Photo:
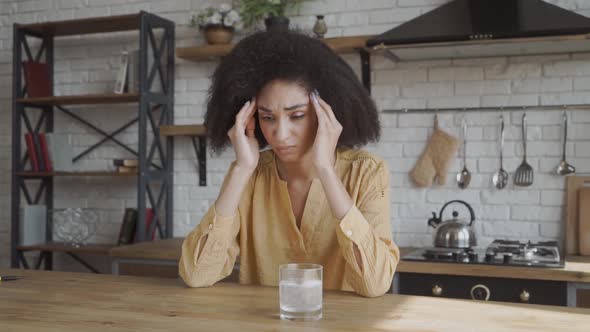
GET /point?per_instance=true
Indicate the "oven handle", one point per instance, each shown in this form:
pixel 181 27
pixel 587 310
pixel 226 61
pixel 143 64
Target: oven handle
pixel 485 296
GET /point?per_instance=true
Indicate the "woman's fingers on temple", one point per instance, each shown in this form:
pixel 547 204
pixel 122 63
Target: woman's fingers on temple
pixel 250 127
pixel 318 109
pixel 245 113
pixel 327 108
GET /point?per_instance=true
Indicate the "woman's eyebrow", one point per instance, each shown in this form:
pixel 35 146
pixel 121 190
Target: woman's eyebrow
pixel 289 108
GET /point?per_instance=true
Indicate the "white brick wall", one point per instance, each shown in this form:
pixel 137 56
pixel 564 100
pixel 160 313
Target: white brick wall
pixel 88 64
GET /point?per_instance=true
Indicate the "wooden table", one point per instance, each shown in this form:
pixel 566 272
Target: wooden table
pixel 63 301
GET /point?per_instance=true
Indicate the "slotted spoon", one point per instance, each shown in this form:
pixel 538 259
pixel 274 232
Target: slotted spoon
pixel 524 174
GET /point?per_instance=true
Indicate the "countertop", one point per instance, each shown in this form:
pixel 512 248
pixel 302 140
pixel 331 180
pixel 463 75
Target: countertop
pixel 64 301
pixel 577 268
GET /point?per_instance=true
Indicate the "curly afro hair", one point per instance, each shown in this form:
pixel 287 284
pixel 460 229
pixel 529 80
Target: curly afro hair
pixel 293 57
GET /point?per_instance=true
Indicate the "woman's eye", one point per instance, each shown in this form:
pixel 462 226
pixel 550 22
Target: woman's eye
pixel 297 116
pixel 266 118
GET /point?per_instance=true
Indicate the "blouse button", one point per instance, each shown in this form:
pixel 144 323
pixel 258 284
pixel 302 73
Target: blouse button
pixel 349 232
pixel 210 226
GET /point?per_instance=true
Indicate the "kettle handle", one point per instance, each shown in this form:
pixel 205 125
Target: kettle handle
pixel 471 212
pixel 434 221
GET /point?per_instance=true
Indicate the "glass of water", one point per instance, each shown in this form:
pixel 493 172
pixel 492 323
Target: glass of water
pixel 300 291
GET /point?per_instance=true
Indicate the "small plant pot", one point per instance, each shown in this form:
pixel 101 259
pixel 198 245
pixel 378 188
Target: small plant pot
pixel 276 22
pixel 218 35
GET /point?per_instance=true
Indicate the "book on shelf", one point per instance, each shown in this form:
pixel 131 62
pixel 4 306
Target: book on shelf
pixel 33 223
pixel 60 152
pixel 37 79
pixel 133 72
pixel 149 219
pixel 128 226
pixel 122 73
pixel 39 152
pixel 126 169
pixel 126 162
pixel 45 152
pixel 32 152
pixel 132 85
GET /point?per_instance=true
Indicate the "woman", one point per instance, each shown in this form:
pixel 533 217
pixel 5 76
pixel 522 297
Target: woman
pixel 311 197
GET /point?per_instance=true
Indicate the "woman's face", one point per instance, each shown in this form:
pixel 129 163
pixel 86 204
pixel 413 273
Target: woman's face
pixel 287 119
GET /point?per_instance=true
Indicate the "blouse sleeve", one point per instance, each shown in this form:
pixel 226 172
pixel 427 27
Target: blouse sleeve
pixel 218 255
pixel 367 226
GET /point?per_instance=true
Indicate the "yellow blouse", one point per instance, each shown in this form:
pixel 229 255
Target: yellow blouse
pixel 264 233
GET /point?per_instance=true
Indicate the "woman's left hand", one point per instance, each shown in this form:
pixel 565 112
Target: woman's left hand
pixel 329 130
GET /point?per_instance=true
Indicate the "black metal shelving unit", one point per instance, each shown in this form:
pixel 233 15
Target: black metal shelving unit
pixel 154 109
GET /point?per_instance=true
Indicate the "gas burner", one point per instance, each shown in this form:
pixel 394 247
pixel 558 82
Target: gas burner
pixel 449 254
pixel 500 252
pixel 546 252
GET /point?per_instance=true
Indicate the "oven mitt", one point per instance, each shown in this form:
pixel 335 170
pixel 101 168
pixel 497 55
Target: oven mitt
pixel 435 159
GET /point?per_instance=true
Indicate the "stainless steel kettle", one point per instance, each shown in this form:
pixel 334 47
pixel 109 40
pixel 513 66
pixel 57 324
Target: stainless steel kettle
pixel 453 233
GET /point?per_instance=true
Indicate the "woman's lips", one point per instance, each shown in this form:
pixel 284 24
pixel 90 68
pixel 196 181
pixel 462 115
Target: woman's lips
pixel 285 149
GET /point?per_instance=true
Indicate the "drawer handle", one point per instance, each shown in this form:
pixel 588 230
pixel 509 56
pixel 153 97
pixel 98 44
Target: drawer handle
pixel 437 290
pixel 480 292
pixel 525 296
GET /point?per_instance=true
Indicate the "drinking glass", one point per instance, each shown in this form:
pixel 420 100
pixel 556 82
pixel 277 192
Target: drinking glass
pixel 300 291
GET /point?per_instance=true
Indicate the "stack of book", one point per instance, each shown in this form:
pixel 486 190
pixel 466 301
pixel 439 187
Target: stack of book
pixel 49 152
pixel 126 165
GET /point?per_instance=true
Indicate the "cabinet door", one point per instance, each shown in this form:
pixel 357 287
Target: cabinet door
pixel 583 298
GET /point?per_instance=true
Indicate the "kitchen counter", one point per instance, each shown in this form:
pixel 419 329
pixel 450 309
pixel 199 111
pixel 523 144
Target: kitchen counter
pixel 576 269
pixel 62 301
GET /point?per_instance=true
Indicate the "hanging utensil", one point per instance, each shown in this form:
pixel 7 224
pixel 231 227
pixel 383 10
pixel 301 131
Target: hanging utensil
pixel 500 178
pixel 464 177
pixel 564 168
pixel 524 174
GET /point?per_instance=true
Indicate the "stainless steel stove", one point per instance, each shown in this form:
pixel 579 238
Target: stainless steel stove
pixel 500 252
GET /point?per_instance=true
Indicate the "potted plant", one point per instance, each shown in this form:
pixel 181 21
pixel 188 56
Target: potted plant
pixel 272 11
pixel 218 24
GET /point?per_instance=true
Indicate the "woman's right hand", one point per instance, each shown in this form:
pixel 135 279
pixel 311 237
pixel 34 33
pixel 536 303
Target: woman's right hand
pixel 243 139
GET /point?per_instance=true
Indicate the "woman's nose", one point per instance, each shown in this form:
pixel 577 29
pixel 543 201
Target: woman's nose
pixel 282 130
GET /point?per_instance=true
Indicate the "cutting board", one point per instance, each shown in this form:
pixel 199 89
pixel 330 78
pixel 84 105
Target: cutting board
pixel 574 183
pixel 584 220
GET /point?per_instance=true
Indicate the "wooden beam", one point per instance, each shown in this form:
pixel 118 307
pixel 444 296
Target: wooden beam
pixel 183 130
pixel 211 52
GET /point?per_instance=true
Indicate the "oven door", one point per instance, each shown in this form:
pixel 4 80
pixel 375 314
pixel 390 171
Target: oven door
pixel 483 288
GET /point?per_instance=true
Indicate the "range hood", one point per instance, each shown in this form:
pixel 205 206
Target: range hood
pixel 489 22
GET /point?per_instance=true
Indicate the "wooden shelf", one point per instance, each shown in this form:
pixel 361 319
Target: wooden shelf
pixel 165 249
pixel 487 48
pixel 98 249
pixel 340 45
pixel 106 98
pixel 85 25
pixel 53 174
pixel 183 130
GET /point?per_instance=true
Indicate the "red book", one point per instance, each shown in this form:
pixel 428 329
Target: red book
pixel 149 218
pixel 37 79
pixel 31 151
pixel 45 152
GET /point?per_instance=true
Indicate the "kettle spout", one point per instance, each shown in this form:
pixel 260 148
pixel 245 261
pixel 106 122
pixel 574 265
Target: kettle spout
pixel 434 221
